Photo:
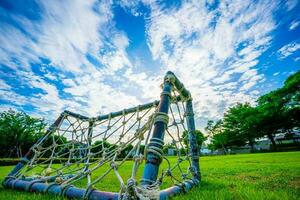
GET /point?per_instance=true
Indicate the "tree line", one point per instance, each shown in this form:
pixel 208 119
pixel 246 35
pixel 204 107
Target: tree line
pixel 276 111
pixel 242 124
pixel 20 131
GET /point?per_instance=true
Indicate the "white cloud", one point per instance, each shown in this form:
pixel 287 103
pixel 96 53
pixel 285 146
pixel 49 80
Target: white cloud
pixel 213 50
pixel 4 85
pixel 12 97
pixel 294 25
pixel 288 50
pixel 68 31
pixel 97 97
pixel 46 102
pixel 291 4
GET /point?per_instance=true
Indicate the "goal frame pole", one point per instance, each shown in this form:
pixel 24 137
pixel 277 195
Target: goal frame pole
pixel 155 148
pixel 153 158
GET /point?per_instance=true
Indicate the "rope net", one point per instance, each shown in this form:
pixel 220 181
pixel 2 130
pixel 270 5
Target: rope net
pixel 109 154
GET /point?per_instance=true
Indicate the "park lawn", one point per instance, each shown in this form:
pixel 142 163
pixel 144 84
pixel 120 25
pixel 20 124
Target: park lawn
pixel 246 176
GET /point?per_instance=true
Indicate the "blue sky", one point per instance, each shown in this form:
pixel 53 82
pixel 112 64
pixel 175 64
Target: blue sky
pixel 95 57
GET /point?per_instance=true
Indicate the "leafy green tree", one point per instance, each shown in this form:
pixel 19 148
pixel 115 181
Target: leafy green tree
pixel 280 109
pixel 126 151
pixel 142 149
pixel 237 128
pixel 59 140
pixel 18 132
pixel 199 137
pixel 98 146
pixel 291 97
pixel 240 125
pixel 218 139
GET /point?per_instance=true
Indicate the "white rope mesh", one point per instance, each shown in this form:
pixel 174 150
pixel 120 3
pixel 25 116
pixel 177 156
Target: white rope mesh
pixel 98 154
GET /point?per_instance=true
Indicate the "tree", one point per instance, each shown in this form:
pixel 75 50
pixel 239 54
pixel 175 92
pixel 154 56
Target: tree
pixel 99 145
pixel 237 128
pixel 18 132
pixel 291 97
pixel 126 151
pixel 280 109
pixel 218 139
pixel 199 137
pixel 240 125
pixel 59 140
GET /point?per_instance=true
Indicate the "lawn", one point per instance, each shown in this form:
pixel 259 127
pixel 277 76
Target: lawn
pixel 246 176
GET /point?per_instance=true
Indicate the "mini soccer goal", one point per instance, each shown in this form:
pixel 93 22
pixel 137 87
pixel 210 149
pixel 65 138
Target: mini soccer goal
pixel 145 152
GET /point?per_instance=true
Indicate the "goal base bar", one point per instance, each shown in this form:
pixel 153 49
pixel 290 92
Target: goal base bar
pixel 77 193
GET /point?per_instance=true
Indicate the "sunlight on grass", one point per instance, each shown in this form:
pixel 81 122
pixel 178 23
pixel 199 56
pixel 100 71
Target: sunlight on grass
pixel 248 176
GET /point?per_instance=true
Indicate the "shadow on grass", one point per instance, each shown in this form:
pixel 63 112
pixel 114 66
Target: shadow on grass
pixel 204 191
pixel 22 195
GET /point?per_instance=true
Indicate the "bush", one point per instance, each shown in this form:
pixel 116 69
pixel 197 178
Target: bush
pixel 9 161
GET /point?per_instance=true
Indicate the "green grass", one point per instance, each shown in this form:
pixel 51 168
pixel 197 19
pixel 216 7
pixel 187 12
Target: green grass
pixel 248 176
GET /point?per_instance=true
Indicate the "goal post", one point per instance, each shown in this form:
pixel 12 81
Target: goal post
pixel 77 153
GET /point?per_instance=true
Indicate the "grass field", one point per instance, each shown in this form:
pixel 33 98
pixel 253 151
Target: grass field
pixel 248 176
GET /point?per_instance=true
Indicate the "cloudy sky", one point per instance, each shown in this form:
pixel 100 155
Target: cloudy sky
pixel 94 57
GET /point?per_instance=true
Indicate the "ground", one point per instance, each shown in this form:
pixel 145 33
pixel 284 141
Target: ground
pixel 247 176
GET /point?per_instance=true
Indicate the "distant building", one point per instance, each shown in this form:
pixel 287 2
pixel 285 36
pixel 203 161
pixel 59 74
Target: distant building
pixel 262 144
pixel 290 137
pixel 204 150
pixel 171 151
